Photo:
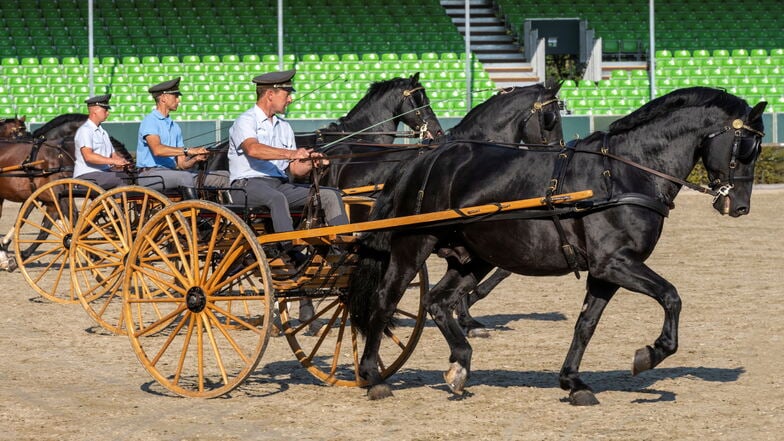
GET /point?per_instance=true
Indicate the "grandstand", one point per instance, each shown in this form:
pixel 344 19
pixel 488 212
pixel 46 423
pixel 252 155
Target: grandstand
pixel 340 47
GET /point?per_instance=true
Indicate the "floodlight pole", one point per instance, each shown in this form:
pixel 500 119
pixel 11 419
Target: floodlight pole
pixel 90 47
pixel 652 48
pixel 280 34
pixel 468 62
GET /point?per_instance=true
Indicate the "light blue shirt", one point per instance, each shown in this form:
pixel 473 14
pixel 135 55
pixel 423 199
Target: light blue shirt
pixel 96 138
pixel 169 132
pixel 274 131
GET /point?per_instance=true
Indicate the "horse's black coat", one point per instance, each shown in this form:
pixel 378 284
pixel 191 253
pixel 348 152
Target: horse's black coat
pixel 507 117
pixel 669 134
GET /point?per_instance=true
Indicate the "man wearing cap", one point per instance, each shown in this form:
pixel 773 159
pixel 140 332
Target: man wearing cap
pixel 262 150
pixel 162 159
pixel 95 155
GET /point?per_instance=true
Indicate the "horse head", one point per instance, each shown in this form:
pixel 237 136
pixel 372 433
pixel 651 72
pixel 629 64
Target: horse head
pixel 528 114
pixel 729 156
pixel 13 128
pixel 415 110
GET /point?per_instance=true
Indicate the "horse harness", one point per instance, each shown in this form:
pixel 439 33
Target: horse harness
pixel 32 172
pixel 545 123
pixel 740 150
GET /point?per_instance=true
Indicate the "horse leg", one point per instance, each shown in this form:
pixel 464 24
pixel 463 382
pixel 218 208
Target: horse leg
pixel 637 278
pixel 6 263
pixel 407 257
pixel 472 327
pixel 440 302
pixel 598 294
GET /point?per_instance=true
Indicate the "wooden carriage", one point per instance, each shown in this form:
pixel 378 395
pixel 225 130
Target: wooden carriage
pixel 198 286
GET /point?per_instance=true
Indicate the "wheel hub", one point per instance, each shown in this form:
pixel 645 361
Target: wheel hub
pixel 67 241
pixel 195 299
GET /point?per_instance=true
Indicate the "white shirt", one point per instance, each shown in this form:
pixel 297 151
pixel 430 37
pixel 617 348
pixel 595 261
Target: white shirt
pixel 96 138
pixel 274 131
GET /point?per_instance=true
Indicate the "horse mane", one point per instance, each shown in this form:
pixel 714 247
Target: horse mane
pixel 58 121
pixel 375 89
pixel 678 99
pixel 502 95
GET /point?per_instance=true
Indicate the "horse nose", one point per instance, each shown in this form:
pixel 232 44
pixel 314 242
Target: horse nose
pixel 742 210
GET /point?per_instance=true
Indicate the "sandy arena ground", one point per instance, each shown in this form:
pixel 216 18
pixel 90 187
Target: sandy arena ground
pixel 62 380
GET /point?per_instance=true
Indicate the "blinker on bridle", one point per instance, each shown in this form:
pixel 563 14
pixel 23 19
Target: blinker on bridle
pixel 737 126
pixel 409 94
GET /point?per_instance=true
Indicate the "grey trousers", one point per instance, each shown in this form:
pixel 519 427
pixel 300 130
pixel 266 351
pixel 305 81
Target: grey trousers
pixel 106 179
pixel 167 179
pixel 279 196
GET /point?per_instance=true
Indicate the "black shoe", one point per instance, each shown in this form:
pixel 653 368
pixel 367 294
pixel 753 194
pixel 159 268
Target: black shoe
pixel 296 257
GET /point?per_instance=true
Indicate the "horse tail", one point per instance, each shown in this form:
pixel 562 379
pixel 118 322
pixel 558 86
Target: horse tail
pixel 373 252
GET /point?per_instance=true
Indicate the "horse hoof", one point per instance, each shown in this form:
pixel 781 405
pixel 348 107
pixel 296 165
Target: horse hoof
pixel 456 378
pixel 379 392
pixel 478 333
pixel 643 360
pixel 582 397
pixel 11 265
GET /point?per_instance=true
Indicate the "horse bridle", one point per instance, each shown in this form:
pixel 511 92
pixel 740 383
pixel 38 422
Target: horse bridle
pixel 408 95
pixel 538 108
pixel 737 127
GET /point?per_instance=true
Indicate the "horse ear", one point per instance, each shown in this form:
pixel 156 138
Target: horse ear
pixel 415 78
pixel 23 118
pixel 756 112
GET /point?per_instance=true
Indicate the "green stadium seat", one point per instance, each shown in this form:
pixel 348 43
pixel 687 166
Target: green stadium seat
pixel 370 57
pixel 210 59
pixel 9 61
pixel 50 61
pixel 681 53
pixel 29 61
pixel 150 59
pixel 349 57
pixel 663 53
pixel 739 53
pixel 191 59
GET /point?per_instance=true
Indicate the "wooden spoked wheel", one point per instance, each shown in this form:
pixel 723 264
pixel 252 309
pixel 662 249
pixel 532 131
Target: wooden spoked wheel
pixel 332 350
pixel 101 241
pixel 43 235
pixel 197 299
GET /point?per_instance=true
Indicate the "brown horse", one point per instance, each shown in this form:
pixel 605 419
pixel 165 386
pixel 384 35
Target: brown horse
pixel 33 163
pixel 13 128
pixel 53 144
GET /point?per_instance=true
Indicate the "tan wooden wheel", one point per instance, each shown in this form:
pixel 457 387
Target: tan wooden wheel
pixel 43 235
pixel 332 354
pixel 197 299
pixel 101 241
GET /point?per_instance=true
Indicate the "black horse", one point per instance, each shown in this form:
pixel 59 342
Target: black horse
pixel 64 127
pixel 635 169
pixel 374 119
pixel 528 114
